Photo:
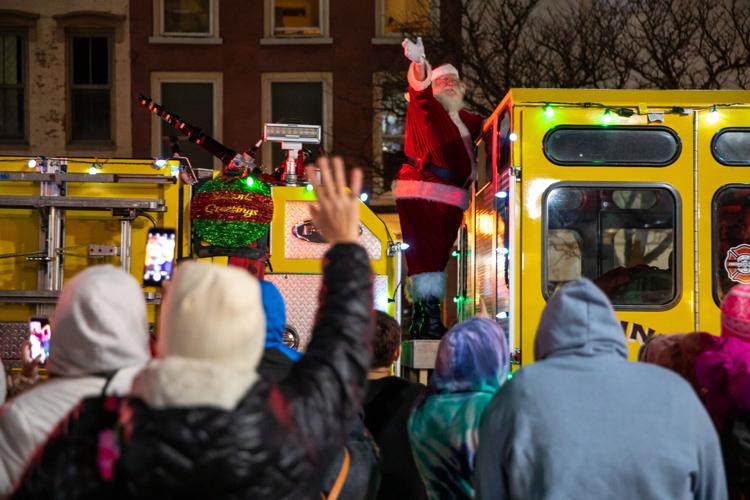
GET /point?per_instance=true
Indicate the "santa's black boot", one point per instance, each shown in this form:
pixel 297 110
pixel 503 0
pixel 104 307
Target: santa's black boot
pixel 417 319
pixel 433 328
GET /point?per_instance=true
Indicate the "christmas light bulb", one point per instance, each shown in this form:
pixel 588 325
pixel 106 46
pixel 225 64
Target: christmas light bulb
pixel 31 163
pixel 249 181
pixel 513 137
pixel 364 197
pixel 606 117
pixel 713 115
pixel 93 170
pixel 549 112
pixel 309 187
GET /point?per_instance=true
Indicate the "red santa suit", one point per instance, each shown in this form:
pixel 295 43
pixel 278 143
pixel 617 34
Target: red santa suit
pixel 431 191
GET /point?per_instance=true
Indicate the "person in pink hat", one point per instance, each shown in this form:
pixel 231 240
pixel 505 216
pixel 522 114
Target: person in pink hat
pixel 432 187
pixel 723 377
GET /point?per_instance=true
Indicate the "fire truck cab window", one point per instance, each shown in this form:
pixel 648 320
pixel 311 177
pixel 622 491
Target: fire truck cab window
pixel 731 146
pixel 623 239
pixel 625 145
pixel 731 238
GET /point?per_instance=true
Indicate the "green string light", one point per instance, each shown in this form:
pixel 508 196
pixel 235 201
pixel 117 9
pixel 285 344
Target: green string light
pixel 549 111
pixel 309 187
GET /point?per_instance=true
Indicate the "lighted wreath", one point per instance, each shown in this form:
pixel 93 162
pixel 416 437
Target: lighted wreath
pixel 232 212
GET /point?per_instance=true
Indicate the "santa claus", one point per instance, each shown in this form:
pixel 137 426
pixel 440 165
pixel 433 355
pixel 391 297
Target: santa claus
pixel 432 187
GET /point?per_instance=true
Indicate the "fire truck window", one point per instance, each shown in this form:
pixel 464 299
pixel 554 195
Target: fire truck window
pixel 731 238
pixel 563 257
pixel 503 142
pixel 731 146
pixel 634 199
pixel 622 239
pixel 595 145
pixel 484 160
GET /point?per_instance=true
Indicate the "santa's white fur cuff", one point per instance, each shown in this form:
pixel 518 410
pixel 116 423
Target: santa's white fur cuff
pixel 416 84
pixel 428 285
pixel 432 191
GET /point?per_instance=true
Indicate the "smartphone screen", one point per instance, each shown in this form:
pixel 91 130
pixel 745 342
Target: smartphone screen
pixel 39 335
pixel 160 249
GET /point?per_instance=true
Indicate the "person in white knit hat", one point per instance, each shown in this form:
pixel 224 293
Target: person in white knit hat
pixel 210 339
pixel 432 187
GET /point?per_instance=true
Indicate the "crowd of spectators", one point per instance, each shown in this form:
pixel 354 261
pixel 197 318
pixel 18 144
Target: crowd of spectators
pixel 225 410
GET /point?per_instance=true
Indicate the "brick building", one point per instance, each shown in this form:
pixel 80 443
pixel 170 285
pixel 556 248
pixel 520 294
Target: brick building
pixel 229 66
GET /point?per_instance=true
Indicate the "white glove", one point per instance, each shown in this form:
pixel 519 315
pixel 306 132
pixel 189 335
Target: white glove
pixel 414 51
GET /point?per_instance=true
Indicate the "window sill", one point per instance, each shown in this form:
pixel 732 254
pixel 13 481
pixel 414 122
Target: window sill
pixel 320 40
pixel 8 144
pixel 191 40
pixel 387 40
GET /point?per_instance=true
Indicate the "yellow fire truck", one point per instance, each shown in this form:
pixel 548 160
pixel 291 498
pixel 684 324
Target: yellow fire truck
pixel 60 215
pixel 647 193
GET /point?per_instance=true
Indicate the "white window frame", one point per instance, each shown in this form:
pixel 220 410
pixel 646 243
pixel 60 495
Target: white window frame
pixel 270 38
pixel 383 38
pixel 159 77
pixel 210 38
pixel 266 79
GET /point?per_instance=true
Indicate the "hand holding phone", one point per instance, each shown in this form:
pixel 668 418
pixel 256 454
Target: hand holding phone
pixel 160 251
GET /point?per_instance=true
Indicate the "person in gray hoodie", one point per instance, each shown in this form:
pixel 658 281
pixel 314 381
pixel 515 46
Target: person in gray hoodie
pixel 99 338
pixel 2 382
pixel 583 422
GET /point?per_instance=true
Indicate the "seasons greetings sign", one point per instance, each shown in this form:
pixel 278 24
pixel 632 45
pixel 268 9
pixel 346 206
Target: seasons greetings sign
pixel 232 212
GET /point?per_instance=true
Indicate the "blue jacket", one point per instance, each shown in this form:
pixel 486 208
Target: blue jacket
pixel 583 422
pixel 275 310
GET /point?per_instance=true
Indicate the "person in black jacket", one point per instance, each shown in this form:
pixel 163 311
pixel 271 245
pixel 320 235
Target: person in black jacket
pixel 363 476
pixel 274 441
pixel 388 403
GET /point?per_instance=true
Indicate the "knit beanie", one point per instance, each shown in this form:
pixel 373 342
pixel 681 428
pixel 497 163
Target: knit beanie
pixel 100 324
pixel 213 313
pixel 735 313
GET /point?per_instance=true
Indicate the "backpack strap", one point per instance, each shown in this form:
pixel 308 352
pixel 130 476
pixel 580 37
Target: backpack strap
pixel 107 376
pixel 338 485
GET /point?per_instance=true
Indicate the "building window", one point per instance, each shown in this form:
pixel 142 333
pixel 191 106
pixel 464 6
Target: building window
pixel 12 87
pixel 296 20
pixel 405 16
pixel 296 98
pixel 390 127
pixel 195 104
pixel 196 98
pixel 624 238
pixel 90 87
pixel 186 21
pixel 731 238
pixel 187 17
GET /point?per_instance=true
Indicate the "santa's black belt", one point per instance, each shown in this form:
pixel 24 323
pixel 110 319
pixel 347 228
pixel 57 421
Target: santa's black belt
pixel 443 173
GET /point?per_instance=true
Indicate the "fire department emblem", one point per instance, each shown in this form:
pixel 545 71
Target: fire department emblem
pixel 737 264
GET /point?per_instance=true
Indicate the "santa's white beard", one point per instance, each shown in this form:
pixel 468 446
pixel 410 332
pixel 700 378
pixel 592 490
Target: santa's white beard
pixel 451 103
